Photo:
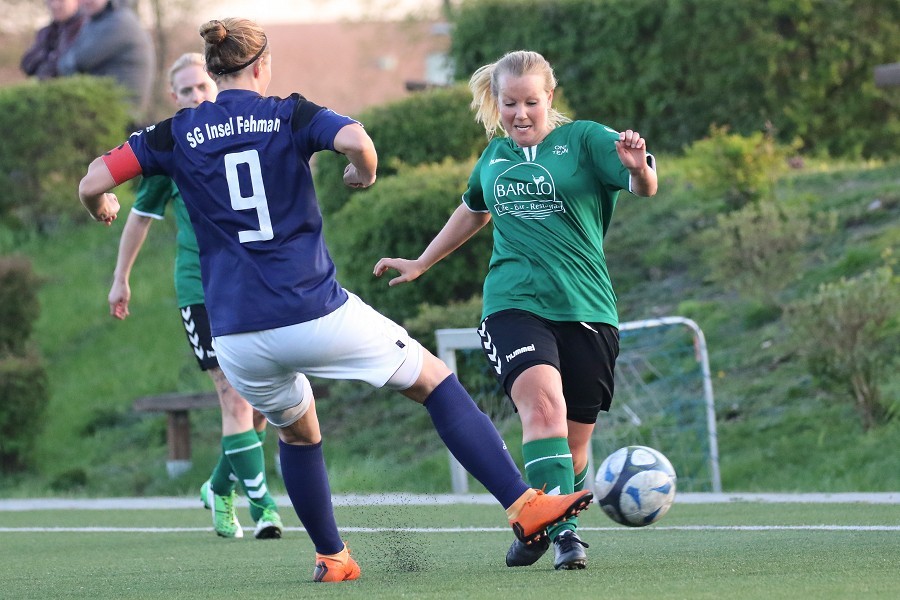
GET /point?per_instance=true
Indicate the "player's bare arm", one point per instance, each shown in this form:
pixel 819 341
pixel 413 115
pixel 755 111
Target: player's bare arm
pixel 133 235
pixel 104 173
pixel 461 225
pixel 632 151
pixel 93 191
pixel 353 141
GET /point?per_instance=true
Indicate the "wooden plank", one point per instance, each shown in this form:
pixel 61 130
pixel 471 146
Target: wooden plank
pixel 178 435
pixel 887 75
pixel 177 407
pixel 192 401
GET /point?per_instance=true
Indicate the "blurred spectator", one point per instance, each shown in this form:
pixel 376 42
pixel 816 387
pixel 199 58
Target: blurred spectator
pixel 53 40
pixel 113 43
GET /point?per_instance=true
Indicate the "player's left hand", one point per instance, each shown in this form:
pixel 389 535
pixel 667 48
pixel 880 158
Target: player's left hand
pixel 119 296
pixel 632 150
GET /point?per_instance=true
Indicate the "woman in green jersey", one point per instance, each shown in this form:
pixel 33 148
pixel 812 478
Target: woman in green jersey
pixel 549 327
pixel 243 429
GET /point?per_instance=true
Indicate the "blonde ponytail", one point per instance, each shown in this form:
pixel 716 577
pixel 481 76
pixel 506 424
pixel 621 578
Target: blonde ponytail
pixel 484 102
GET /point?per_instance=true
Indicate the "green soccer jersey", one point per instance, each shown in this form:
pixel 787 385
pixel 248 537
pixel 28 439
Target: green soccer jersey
pixel 153 195
pixel 551 205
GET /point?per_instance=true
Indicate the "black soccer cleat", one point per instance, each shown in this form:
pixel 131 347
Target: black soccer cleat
pixel 569 551
pixel 522 555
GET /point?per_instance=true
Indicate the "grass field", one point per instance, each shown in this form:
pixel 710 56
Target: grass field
pixel 735 550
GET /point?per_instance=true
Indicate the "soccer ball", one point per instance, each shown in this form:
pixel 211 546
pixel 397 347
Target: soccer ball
pixel 635 485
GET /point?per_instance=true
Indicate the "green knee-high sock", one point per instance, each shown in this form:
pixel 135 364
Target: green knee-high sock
pixel 580 484
pixel 548 465
pixel 581 479
pixel 248 463
pixel 221 479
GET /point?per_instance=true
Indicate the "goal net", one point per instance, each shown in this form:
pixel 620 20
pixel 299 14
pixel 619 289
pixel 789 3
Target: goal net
pixel 663 398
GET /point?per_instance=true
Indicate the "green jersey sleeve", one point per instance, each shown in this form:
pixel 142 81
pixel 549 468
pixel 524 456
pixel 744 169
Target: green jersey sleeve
pixel 474 194
pixel 153 195
pixel 600 148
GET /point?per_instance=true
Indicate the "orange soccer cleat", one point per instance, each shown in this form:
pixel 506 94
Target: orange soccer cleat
pixel 534 511
pixel 332 568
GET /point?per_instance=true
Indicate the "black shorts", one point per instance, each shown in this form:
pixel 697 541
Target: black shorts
pixel 196 326
pixel 583 353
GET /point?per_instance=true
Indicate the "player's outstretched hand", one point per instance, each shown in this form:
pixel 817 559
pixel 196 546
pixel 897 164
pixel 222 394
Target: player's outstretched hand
pixel 408 269
pixel 632 149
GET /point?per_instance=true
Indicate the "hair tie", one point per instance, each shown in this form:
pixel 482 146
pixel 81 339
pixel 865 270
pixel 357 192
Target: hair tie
pixel 248 63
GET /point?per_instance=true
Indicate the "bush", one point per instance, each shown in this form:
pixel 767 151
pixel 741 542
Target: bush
pixel 52 130
pixel 735 169
pixel 25 394
pixel 472 368
pixel 672 68
pixel 452 315
pixel 755 250
pixel 426 127
pixel 847 332
pixel 398 217
pixel 19 307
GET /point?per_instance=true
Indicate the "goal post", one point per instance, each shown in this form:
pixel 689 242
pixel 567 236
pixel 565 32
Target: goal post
pixel 664 398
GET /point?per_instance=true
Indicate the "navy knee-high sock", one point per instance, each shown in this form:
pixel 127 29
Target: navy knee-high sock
pixel 473 440
pixel 306 481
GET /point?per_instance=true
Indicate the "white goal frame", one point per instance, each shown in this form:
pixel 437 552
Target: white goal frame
pixel 451 340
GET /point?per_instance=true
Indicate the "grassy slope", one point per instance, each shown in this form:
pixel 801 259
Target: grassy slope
pixel 777 431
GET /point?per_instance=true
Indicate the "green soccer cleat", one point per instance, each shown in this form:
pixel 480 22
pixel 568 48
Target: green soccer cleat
pixel 205 493
pixel 269 526
pixel 224 517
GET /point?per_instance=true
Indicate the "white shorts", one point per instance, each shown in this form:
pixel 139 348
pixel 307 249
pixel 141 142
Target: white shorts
pixel 269 367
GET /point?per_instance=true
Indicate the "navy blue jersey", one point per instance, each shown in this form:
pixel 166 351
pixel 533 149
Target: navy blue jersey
pixel 242 166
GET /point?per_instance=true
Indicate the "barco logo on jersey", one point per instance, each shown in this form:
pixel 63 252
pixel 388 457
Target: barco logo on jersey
pixel 527 191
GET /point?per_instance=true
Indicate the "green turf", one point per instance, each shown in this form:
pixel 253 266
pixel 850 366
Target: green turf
pixel 691 554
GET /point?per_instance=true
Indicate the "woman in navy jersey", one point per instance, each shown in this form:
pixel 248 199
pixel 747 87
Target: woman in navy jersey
pixel 276 312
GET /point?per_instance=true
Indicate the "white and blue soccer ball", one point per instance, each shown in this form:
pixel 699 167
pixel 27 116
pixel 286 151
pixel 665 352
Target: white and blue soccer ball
pixel 635 486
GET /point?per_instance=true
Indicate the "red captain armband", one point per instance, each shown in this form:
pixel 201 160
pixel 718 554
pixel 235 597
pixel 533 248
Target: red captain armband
pixel 122 163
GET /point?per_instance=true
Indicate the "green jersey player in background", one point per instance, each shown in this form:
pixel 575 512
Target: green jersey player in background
pixel 243 429
pixel 549 327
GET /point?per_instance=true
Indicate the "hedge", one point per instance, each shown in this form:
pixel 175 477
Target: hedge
pixel 673 68
pixel 425 127
pixel 52 130
pixel 398 217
